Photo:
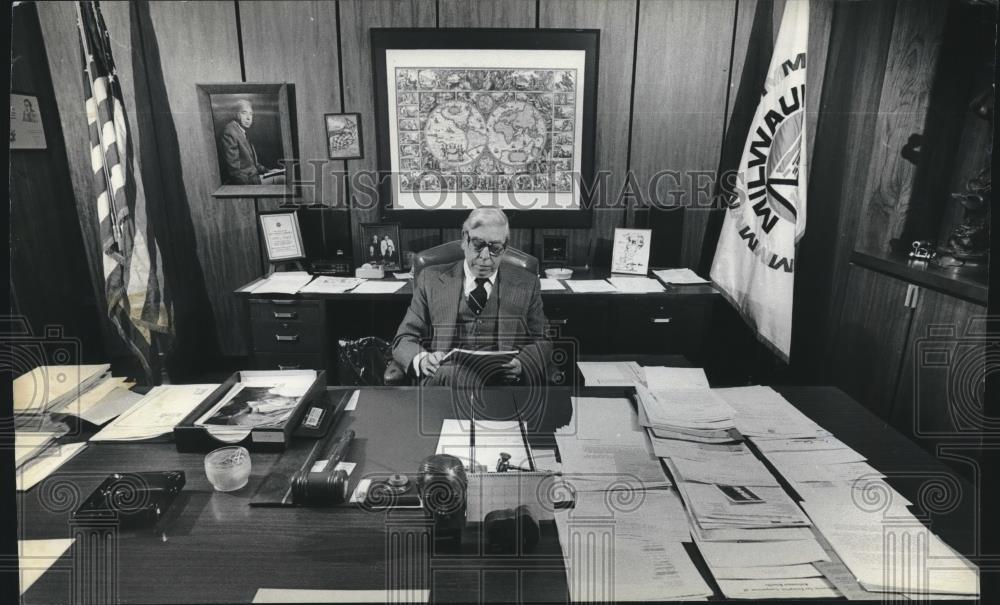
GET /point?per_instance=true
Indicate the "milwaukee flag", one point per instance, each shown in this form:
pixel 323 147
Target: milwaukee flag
pixel 133 274
pixel 754 261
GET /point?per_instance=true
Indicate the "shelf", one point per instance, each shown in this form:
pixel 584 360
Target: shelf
pixel 968 283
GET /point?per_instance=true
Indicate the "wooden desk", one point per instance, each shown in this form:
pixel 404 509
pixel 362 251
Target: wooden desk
pixel 302 331
pixel 213 547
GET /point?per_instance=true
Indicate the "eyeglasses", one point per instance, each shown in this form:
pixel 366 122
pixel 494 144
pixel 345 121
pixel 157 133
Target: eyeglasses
pixel 495 248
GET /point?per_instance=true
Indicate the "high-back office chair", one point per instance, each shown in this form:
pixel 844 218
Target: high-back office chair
pixel 450 252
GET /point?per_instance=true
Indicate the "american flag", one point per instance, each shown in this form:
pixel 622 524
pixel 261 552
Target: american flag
pixel 134 284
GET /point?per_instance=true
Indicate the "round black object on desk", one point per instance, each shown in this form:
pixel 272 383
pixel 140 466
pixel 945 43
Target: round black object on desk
pixel 442 485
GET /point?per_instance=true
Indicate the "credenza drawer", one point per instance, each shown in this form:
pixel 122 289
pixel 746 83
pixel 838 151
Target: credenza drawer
pixel 288 361
pixel 288 337
pixel 289 311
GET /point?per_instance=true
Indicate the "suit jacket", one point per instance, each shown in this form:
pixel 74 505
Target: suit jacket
pixel 430 322
pixel 239 158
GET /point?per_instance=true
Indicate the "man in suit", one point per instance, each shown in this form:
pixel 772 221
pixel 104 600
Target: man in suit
pixel 475 303
pixel 239 158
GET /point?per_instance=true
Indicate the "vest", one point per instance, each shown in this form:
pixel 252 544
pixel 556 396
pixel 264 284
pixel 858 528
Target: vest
pixel 478 332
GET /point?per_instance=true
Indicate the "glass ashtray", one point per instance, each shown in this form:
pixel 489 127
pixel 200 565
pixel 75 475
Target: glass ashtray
pixel 228 468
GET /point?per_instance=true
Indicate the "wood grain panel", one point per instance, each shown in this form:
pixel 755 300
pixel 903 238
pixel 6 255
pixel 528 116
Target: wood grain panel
pixel 225 232
pixel 870 339
pixel 50 280
pixel 491 13
pixel 616 20
pixel 62 47
pixel 941 379
pixel 857 52
pixel 682 72
pixel 909 73
pixel 486 13
pixel 297 42
pixel 356 18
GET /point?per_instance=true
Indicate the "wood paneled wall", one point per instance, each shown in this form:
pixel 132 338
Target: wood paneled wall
pixel 666 75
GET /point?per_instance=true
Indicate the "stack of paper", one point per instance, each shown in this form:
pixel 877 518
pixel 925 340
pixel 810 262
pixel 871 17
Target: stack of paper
pixel 546 283
pixel 374 286
pixel 885 547
pixel 326 284
pixel 603 447
pixel 46 458
pixel 628 549
pixel 636 285
pixel 35 557
pixel 679 276
pixel 584 286
pixel 50 387
pixel 101 403
pixel 611 373
pixel 283 282
pixel 763 413
pixel 693 414
pixel 156 414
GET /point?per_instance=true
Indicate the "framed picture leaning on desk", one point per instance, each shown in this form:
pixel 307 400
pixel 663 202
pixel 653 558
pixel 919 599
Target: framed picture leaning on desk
pixel 380 245
pixel 282 236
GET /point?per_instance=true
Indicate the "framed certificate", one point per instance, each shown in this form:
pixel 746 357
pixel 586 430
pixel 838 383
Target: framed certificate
pixel 282 236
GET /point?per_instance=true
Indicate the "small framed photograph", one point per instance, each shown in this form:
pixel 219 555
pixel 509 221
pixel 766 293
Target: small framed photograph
pixel 343 136
pixel 282 236
pixel 250 127
pixel 26 131
pixel 380 245
pixel 630 253
pixel 555 249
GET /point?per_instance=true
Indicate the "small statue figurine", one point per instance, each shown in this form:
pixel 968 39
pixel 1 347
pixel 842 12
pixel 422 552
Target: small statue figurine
pixel 968 243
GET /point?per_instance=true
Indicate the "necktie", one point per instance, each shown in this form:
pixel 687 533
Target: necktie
pixel 477 298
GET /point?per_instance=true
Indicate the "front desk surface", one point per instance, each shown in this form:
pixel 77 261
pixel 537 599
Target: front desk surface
pixel 213 547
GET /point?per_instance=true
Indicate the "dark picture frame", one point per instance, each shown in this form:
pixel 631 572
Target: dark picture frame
pixel 348 143
pixel 374 250
pixel 541 197
pixel 238 150
pixel 555 249
pixel 282 241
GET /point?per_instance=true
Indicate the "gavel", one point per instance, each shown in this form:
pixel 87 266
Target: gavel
pixel 326 485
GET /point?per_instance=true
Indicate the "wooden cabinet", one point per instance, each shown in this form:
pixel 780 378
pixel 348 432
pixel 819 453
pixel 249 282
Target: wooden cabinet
pixel 288 334
pixel 940 397
pixel 914 356
pixel 870 339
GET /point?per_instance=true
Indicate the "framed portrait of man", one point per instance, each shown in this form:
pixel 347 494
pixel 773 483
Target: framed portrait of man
pixel 380 245
pixel 250 126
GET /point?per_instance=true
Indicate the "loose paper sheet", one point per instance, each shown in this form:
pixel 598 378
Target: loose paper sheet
pixel 35 557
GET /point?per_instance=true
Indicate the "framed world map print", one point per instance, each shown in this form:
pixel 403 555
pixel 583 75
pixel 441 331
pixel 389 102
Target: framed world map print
pixel 485 117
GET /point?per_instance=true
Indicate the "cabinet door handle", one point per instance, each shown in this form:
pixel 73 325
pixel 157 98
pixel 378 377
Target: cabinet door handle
pixel 283 302
pixel 285 314
pixel 288 338
pixel 288 367
pixel 558 322
pixel 660 320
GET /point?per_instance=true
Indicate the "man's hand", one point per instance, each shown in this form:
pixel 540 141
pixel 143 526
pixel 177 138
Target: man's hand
pixel 512 370
pixel 430 362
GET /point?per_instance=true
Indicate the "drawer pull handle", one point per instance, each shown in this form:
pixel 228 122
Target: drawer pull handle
pixel 283 302
pixel 558 322
pixel 285 314
pixel 288 367
pixel 288 338
pixel 660 320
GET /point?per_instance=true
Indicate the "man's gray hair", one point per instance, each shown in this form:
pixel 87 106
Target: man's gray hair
pixel 240 103
pixel 486 216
